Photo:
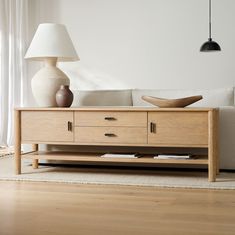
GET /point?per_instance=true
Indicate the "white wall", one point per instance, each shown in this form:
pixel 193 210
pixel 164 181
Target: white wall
pixel 146 43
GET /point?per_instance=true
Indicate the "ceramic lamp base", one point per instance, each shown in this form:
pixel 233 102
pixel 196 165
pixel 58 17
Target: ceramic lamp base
pixel 46 82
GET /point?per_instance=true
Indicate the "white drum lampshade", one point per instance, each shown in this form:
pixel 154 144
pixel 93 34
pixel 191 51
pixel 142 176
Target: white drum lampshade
pixel 51 43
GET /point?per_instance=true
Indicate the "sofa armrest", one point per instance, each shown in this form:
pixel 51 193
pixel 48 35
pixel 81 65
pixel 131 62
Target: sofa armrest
pixel 227 137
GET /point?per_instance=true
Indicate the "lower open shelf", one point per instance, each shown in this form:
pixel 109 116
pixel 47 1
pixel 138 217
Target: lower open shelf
pixel 96 157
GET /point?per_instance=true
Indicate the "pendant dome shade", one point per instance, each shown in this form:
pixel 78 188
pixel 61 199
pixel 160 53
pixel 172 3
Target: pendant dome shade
pixel 210 46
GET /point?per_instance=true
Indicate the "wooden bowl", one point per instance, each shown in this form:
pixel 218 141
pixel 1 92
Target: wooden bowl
pixel 172 103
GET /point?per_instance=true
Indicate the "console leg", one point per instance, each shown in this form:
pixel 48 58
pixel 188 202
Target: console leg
pixel 212 172
pixel 35 161
pixel 213 146
pixel 17 146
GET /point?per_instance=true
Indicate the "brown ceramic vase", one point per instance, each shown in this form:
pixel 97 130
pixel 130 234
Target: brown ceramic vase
pixel 64 96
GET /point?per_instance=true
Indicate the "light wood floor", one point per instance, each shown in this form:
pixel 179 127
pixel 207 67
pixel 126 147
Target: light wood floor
pixel 46 208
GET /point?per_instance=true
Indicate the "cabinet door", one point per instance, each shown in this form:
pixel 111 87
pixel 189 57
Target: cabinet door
pixel 178 129
pixel 46 126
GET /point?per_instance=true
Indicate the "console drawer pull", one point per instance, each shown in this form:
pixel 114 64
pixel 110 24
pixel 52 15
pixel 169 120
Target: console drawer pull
pixel 110 118
pixel 110 135
pixel 69 126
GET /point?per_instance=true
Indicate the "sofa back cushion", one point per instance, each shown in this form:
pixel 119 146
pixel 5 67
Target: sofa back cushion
pixel 102 98
pixel 211 98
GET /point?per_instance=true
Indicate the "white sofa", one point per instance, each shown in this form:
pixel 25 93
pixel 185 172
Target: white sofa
pixel 223 98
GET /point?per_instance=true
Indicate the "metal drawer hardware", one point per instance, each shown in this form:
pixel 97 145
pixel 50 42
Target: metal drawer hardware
pixel 110 118
pixel 152 127
pixel 110 135
pixel 70 126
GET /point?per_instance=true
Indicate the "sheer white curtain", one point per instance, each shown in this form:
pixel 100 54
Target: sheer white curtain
pixel 13 75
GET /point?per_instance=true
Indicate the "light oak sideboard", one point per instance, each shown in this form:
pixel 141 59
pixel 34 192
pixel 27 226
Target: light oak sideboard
pixel 118 126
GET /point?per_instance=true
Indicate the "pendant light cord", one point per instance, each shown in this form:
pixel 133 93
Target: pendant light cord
pixel 209 19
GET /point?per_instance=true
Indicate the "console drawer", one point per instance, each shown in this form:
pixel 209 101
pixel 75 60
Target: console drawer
pixel 100 118
pixel 125 135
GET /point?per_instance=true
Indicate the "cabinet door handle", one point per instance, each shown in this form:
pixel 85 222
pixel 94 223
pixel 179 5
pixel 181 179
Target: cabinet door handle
pixel 69 126
pixel 152 127
pixel 110 135
pixel 110 118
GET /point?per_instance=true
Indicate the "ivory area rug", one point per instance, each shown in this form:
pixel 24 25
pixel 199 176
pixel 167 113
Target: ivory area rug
pixel 6 151
pixel 118 176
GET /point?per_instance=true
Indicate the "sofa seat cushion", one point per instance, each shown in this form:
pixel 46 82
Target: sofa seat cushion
pixel 211 98
pixel 102 98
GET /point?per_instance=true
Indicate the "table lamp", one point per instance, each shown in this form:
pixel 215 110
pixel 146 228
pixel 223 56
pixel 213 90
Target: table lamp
pixel 51 43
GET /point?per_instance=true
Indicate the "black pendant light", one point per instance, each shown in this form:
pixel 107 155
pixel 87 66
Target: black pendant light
pixel 210 45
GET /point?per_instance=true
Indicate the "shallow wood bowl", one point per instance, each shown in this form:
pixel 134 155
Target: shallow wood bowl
pixel 172 103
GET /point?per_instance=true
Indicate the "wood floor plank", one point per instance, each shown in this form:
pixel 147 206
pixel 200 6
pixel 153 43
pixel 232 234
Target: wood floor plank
pixel 68 209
